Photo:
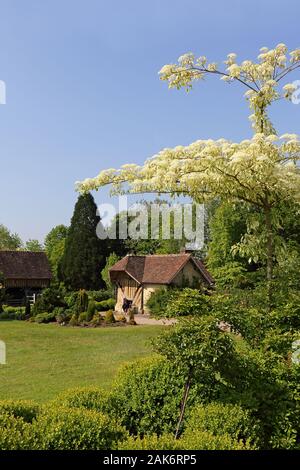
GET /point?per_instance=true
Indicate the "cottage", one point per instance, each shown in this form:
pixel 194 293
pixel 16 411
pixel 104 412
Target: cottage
pixel 25 273
pixel 137 277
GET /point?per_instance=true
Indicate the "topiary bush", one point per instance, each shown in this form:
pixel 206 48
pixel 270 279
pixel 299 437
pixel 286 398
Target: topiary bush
pixel 219 419
pixel 28 410
pixel 90 398
pixel 73 320
pixel 63 428
pixel 82 318
pixel 147 395
pixel 15 433
pixel 49 299
pixel 198 441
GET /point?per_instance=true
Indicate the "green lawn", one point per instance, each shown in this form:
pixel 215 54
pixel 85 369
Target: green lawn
pixel 43 360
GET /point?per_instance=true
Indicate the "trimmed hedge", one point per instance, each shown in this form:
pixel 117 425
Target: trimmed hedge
pixel 63 428
pixel 26 409
pixel 219 419
pixel 90 398
pixel 198 441
pixel 15 434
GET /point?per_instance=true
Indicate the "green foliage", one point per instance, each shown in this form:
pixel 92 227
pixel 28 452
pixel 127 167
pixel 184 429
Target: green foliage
pixel 147 395
pixel 91 310
pixel 73 320
pixel 49 299
pixel 109 317
pixel 99 295
pixel 45 317
pixel 33 245
pixel 82 317
pixel 187 302
pixel 25 409
pixel 63 428
pixel 90 398
pixel 82 301
pixel 110 261
pixel 157 302
pixel 105 305
pixel 55 245
pixel 197 344
pixel 13 313
pixel 84 253
pixel 9 240
pixel 15 433
pixel 200 441
pixel 220 419
pixel 97 319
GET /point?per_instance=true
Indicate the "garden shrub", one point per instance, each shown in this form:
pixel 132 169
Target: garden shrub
pixel 198 441
pixel 63 428
pixel 109 317
pixel 204 440
pixel 105 305
pixel 25 409
pixel 15 433
pixel 49 299
pixel 82 301
pixel 170 303
pixel 73 320
pixel 91 310
pixel 121 318
pixel 99 295
pixel 45 317
pixel 97 319
pixel 90 398
pixel 147 395
pixel 82 317
pixel 219 419
pixel 13 313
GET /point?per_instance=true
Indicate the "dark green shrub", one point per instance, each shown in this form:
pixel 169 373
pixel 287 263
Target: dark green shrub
pixel 25 409
pixel 170 303
pixel 45 317
pixel 63 428
pixel 99 295
pixel 105 305
pixel 49 299
pixel 220 419
pixel 147 396
pixel 109 317
pixel 15 433
pixel 91 310
pixel 158 301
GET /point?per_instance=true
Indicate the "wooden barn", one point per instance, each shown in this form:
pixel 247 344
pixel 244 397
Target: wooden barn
pixel 137 277
pixel 25 274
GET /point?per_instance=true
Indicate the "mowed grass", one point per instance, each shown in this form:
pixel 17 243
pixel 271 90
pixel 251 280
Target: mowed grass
pixel 43 360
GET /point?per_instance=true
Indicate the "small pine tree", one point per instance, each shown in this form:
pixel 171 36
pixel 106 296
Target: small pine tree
pixel 82 301
pixel 84 253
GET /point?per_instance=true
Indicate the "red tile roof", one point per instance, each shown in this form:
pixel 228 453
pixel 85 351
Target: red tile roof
pixel 156 269
pixel 24 265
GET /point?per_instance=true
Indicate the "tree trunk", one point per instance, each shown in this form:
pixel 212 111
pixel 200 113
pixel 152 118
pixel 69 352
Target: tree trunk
pixel 184 402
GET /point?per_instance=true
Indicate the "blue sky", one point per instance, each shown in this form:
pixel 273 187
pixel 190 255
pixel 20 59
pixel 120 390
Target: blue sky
pixel 83 92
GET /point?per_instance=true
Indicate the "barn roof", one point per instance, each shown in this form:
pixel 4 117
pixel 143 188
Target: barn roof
pixel 157 269
pixel 24 265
